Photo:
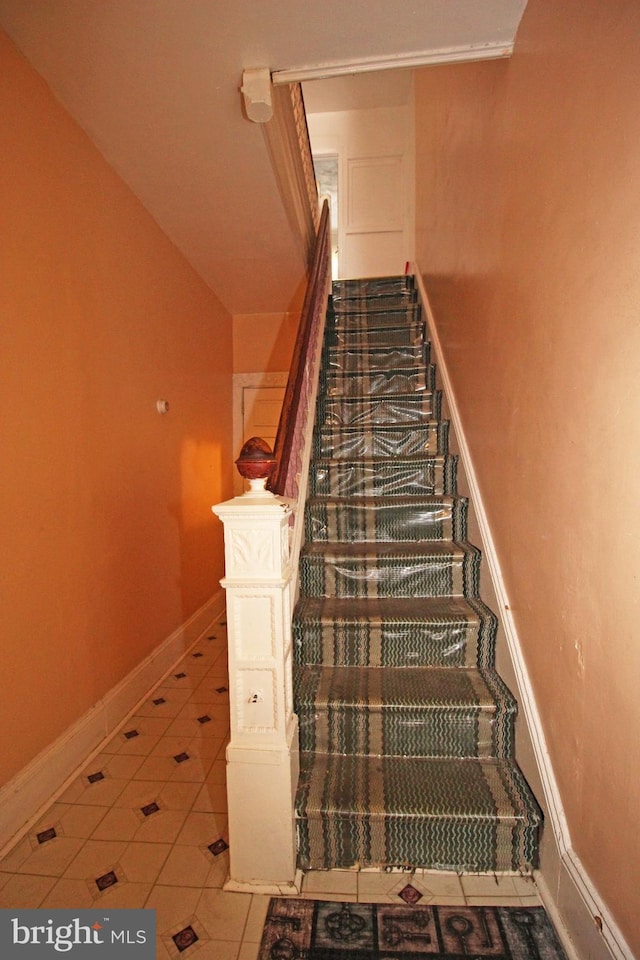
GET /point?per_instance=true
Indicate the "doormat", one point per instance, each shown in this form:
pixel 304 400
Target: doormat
pixel 322 930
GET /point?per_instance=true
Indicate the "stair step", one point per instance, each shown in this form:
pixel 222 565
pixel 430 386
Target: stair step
pixel 443 813
pixel 362 336
pixel 408 711
pixel 400 519
pixel 355 303
pixel 353 360
pixel 371 286
pixel 383 476
pixel 403 380
pixel 411 569
pixel 407 408
pixel 338 443
pixel 406 729
pixel 392 316
pixel 407 632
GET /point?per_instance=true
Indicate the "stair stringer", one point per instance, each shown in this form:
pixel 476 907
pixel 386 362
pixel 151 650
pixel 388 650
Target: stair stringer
pixel 581 917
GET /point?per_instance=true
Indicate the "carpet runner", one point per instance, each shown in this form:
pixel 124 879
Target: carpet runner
pixel 324 930
pixel 406 729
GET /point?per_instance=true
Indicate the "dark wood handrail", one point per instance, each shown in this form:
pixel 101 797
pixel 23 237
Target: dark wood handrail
pixel 288 417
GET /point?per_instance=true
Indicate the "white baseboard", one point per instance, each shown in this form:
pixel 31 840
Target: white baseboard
pixel 582 918
pixel 24 798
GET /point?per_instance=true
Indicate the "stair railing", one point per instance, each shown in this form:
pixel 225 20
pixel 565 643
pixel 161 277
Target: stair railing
pixel 263 533
pixel 294 437
pixel 289 445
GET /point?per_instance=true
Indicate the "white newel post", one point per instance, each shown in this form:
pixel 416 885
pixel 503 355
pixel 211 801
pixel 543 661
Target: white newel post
pixel 262 755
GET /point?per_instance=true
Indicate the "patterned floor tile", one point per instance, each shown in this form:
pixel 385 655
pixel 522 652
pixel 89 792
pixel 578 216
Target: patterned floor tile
pixel 174 906
pixel 53 858
pixel 161 827
pixel 66 893
pixel 24 890
pixel 193 866
pixel 95 858
pixel 330 882
pixel 255 918
pixel 142 862
pixel 222 914
pixel 201 829
pixel 119 823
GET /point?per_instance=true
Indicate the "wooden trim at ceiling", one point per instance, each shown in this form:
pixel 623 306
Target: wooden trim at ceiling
pixel 425 58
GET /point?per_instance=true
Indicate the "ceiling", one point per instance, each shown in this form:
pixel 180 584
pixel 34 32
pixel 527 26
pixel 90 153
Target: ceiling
pixel 156 85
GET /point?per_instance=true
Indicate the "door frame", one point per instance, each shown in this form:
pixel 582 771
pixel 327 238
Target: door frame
pixel 255 381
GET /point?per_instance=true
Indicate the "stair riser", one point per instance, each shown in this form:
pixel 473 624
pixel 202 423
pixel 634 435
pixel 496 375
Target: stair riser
pixel 389 578
pixel 379 304
pixel 380 383
pixel 411 313
pixel 410 409
pixel 371 287
pixel 350 522
pixel 389 644
pixel 391 479
pixel 436 732
pixel 346 443
pixel 445 813
pixel 408 842
pixel 360 336
pixel 350 360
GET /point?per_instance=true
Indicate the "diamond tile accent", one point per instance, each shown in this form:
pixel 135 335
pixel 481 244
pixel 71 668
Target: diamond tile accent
pixel 409 894
pixel 106 880
pixel 150 808
pixel 204 719
pixel 179 676
pixel 218 847
pixel 222 689
pixel 181 757
pixel 196 655
pixel 158 701
pixel 185 938
pixel 46 835
pixel 131 734
pixel 96 777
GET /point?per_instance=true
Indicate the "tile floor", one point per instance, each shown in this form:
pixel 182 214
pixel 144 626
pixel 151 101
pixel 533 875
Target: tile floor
pixel 144 824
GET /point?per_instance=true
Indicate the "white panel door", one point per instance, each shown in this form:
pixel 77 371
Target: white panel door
pixel 374 231
pixel 261 408
pixel 375 186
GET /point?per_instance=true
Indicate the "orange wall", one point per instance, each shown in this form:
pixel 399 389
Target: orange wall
pixel 263 342
pixel 528 236
pixel 108 542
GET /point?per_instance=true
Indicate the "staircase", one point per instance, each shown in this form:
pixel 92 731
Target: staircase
pixel 406 729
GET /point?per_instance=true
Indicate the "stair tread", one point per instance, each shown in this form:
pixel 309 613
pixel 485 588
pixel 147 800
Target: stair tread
pixel 390 549
pixel 411 460
pixel 380 503
pixel 399 428
pixel 414 397
pixel 353 327
pixel 376 610
pixel 379 688
pixel 414 787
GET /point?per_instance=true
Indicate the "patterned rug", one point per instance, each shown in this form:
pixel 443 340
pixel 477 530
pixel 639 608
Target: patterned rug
pixel 322 930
